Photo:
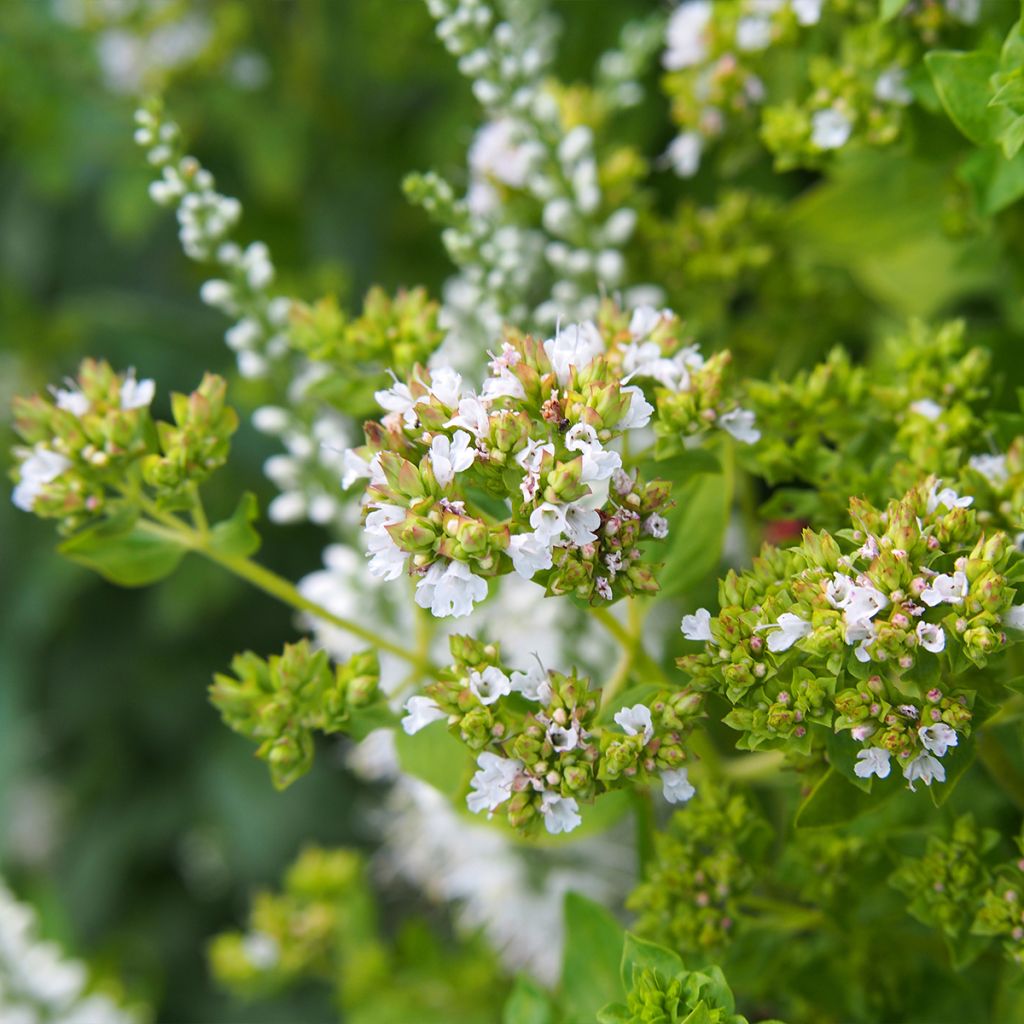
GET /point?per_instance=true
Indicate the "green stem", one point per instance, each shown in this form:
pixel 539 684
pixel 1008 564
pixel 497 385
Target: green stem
pixel 634 645
pixel 764 765
pixel 171 528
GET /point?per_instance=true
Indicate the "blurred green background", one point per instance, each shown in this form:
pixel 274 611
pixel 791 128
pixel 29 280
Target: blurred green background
pixel 130 816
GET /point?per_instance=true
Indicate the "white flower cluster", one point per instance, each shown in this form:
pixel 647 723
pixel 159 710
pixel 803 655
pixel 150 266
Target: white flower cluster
pixel 37 984
pixel 575 252
pixel 449 588
pixel 206 220
pixel 924 767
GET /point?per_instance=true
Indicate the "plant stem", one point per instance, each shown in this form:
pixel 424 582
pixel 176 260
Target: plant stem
pixel 171 528
pixel 633 644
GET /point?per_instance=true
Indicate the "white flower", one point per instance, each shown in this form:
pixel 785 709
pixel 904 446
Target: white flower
pixel 581 523
pixel 740 424
pixel 676 787
pixel 40 468
pixel 533 684
pixel 450 589
pixel 830 128
pixel 563 740
pixel 684 154
pixel 938 738
pixel 136 394
pixel 946 498
pixel 640 409
pixel 891 87
pixel 577 345
pixel 790 629
pixel 492 784
pixel 71 400
pixel 992 467
pixel 646 319
pixel 598 464
pixel 945 589
pixel 861 632
pixel 872 761
pixel 548 521
pixel 967 11
pixel 1014 617
pixel 931 637
pixel 503 384
pixel 473 416
pixel 353 467
pixel 863 603
pixel 397 398
pixel 838 590
pixel 655 526
pixel 261 950
pixel 927 408
pixel 561 813
pixel 697 626
pixel 420 712
pixel 489 685
pixel 862 732
pixel 450 456
pixel 387 559
pixel 754 33
pixel 446 386
pixel 925 768
pixel 498 152
pixel 636 720
pixel 530 553
pixel 686 35
pixel 808 12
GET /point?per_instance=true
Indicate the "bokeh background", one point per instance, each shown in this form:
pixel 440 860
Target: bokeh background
pixel 129 815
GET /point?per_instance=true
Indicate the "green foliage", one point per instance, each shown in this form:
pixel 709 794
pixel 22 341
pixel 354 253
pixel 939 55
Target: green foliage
pixel 279 702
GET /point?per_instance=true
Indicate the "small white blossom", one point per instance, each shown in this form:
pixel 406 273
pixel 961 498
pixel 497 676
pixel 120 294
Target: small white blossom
pixel 42 467
pixel 472 416
pixel 945 589
pixel 676 787
pixel 697 626
pixel 1014 617
pixel 684 153
pixel 946 498
pixel 790 628
pixel 71 400
pixel 808 12
pixel 387 559
pixel 927 408
pixel 533 684
pixel 420 712
pixel 563 739
pixel 397 399
pixel 261 950
pixel 636 720
pixel 449 456
pixel 754 33
pixel 830 128
pixel 136 394
pixel 938 738
pixel 686 35
pixel 891 87
pixel 530 553
pixel 446 386
pixel 492 784
pixel 923 768
pixel 645 320
pixel 991 467
pixel 598 463
pixel 640 409
pixel 561 813
pixel 489 685
pixel 655 526
pixel 931 637
pixel 577 345
pixel 581 523
pixel 548 521
pixel 450 589
pixel 872 761
pixel 740 424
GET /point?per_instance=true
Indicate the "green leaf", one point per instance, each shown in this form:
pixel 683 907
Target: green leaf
pixel 994 182
pixel 956 762
pixel 614 1013
pixel 962 81
pixel 363 721
pixel 590 964
pixel 527 1003
pixel 832 801
pixel 696 531
pixel 640 954
pixel 235 536
pixel 1012 138
pixel 888 9
pixel 700 1014
pixel 435 756
pixel 126 551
